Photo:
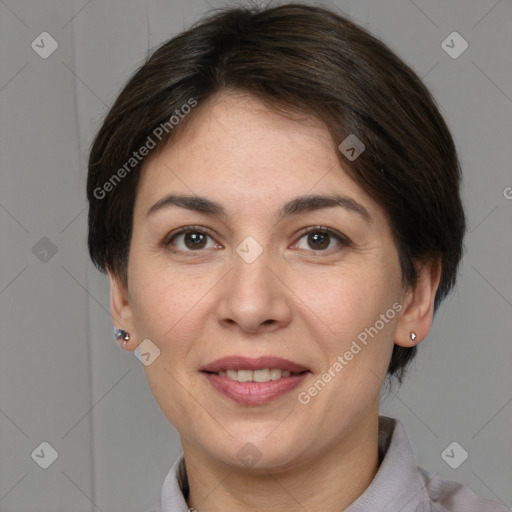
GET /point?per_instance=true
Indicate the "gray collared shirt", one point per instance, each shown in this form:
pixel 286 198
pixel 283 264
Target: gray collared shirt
pixel 398 486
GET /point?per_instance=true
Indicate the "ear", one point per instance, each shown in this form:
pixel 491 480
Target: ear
pixel 418 311
pixel 120 306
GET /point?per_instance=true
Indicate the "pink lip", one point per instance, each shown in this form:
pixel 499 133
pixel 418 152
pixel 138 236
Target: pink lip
pixel 253 393
pixel 247 363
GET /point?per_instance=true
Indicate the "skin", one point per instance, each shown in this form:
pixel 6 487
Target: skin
pixel 294 301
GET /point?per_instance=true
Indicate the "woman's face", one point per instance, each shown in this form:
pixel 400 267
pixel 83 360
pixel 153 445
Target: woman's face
pixel 270 276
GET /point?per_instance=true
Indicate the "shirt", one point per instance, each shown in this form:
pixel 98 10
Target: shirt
pixel 398 486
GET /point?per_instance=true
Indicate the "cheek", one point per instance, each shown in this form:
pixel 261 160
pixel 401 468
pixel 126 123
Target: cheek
pixel 344 318
pixel 169 308
pixel 352 320
pixel 166 301
pixel 342 302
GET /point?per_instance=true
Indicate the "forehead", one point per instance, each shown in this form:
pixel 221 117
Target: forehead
pixel 236 149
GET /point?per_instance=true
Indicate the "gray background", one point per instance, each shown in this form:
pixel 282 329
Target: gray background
pixel 62 378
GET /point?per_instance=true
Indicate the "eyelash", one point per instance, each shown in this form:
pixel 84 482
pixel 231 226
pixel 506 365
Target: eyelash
pixel 343 240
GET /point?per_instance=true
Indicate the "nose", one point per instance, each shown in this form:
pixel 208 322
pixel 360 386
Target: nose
pixel 255 297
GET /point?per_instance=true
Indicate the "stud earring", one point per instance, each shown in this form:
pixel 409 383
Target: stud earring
pixel 119 333
pixel 412 335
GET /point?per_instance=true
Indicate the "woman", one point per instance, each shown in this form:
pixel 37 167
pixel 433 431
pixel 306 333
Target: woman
pixel 275 198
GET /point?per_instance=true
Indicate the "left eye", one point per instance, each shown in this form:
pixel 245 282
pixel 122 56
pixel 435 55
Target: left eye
pixel 320 239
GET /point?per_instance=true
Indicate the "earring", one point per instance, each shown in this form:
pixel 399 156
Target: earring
pixel 119 333
pixel 412 335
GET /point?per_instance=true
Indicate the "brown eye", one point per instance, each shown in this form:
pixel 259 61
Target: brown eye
pixel 188 239
pixel 320 239
pixel 194 240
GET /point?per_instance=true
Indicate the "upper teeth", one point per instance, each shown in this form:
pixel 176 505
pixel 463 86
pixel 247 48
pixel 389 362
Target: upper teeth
pixel 263 375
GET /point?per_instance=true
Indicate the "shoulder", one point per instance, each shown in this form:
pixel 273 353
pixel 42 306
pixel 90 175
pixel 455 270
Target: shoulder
pixel 450 496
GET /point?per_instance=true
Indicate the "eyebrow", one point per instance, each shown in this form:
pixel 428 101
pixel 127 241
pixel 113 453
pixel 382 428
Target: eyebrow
pixel 296 206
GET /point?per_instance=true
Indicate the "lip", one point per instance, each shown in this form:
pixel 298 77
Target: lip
pixel 253 393
pixel 247 363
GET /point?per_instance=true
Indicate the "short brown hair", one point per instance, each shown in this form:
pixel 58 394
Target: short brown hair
pixel 296 58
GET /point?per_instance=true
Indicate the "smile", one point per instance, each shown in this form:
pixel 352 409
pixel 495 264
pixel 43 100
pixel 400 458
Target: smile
pixel 254 381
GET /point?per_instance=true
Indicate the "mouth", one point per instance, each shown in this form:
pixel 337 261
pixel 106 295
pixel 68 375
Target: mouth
pixel 254 381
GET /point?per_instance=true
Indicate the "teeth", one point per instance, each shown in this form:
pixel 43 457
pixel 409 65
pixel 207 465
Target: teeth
pixel 275 373
pixel 245 375
pixel 263 375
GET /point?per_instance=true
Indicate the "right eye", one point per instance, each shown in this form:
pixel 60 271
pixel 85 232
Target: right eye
pixel 190 239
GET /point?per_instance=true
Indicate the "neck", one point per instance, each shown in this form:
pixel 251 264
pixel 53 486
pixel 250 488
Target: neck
pixel 331 481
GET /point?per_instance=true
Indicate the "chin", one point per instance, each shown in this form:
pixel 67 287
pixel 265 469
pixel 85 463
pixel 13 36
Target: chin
pixel 256 454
